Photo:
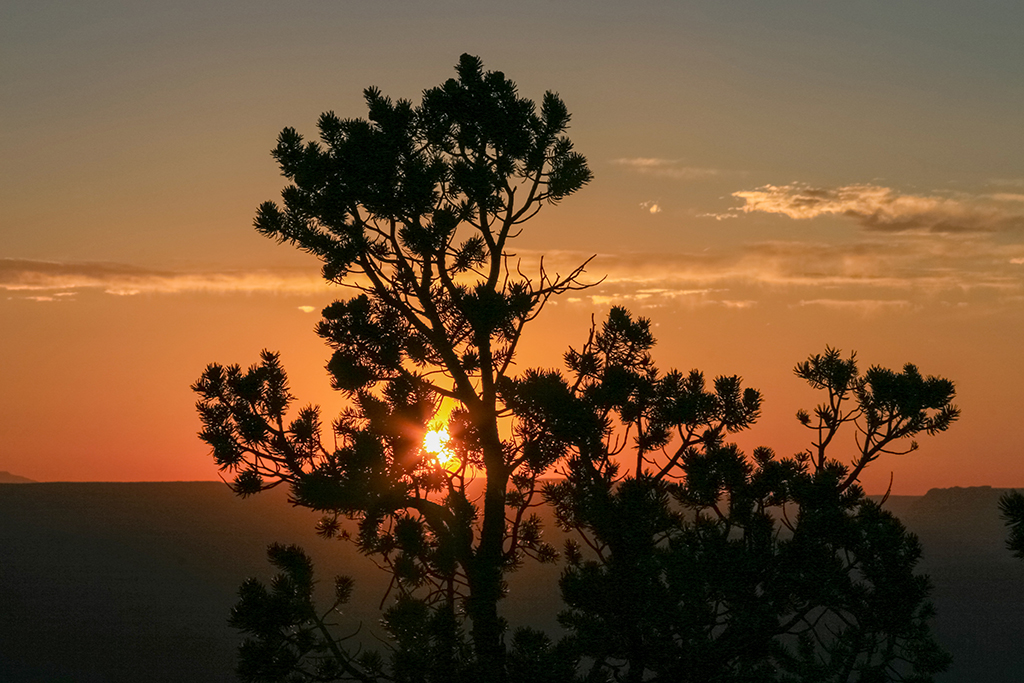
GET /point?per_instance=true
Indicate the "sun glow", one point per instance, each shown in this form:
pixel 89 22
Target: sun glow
pixel 436 442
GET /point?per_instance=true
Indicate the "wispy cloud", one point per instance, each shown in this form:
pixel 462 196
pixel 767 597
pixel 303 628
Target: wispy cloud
pixel 718 216
pixel 45 278
pixel 882 209
pixel 901 269
pixel 1007 182
pixel 627 293
pixel 666 168
pixel 873 274
pixel 1006 197
pixel 865 306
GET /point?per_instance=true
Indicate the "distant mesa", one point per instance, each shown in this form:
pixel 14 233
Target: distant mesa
pixel 8 478
pixel 960 497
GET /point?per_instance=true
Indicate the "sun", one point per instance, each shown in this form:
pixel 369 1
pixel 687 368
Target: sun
pixel 436 442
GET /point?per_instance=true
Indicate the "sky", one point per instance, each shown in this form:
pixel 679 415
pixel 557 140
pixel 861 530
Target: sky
pixel 770 178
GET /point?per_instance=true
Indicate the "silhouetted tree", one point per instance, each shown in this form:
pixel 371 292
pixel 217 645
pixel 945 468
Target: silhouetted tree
pixel 412 210
pixel 696 562
pixel 1011 507
pixel 702 564
pixel 289 638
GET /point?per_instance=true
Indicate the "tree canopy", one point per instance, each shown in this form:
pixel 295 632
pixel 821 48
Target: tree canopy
pixel 694 561
pixel 412 209
pixel 706 564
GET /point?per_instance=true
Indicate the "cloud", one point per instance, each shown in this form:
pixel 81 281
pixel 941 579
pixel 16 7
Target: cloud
pixel 307 309
pixel 881 208
pixel 652 207
pixel 44 277
pixel 1007 182
pixel 729 303
pixel 1006 197
pixel 905 267
pixel 865 306
pixel 624 295
pixel 666 168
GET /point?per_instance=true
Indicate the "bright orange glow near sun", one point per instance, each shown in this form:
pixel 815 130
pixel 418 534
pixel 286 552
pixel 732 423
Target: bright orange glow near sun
pixel 436 442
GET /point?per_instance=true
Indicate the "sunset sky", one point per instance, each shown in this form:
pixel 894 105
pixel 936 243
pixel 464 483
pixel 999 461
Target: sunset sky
pixel 769 178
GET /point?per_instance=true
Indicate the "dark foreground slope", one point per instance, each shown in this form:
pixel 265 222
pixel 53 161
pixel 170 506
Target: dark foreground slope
pixel 132 582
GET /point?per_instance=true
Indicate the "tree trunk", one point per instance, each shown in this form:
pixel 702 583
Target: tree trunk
pixel 485 587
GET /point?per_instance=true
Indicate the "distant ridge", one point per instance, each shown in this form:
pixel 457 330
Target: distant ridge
pixel 8 478
pixel 960 497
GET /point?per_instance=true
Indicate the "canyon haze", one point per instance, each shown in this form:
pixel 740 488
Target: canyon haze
pixel 111 582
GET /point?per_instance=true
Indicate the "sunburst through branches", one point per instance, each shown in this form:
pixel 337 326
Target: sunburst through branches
pixel 435 442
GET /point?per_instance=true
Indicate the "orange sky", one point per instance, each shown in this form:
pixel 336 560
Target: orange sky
pixel 767 181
